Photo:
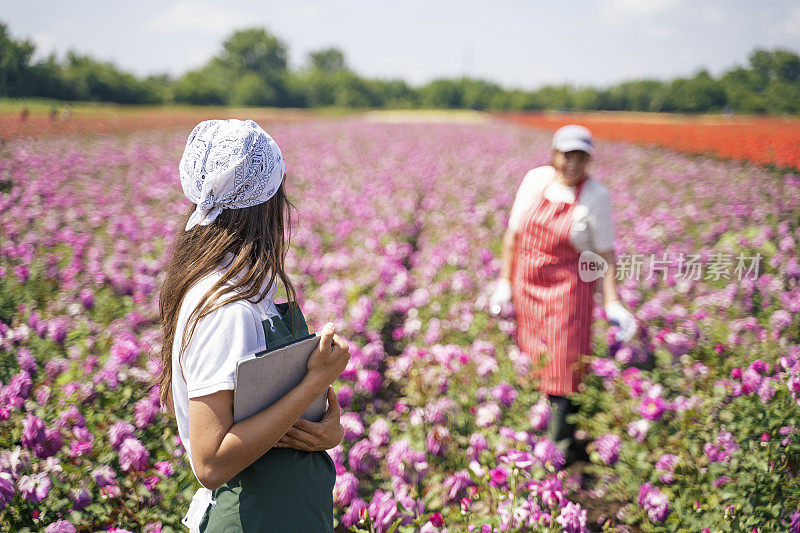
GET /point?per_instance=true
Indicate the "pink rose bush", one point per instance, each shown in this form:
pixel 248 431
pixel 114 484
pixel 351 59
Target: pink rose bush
pixel 708 393
pixel 441 432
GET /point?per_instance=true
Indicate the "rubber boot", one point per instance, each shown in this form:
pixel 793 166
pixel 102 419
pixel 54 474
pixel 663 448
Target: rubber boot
pixel 559 430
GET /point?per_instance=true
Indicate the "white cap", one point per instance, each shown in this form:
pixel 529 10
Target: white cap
pixel 573 137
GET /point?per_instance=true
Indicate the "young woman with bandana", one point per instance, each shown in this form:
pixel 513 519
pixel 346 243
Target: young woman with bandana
pixel 559 213
pixel 269 472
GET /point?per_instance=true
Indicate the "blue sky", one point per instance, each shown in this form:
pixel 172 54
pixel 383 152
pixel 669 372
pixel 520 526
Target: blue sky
pixel 522 44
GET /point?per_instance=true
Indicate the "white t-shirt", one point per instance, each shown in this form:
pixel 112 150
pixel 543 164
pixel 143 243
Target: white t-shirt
pixel 592 224
pixel 220 339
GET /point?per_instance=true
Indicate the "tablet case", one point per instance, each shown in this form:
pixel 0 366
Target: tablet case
pixel 264 377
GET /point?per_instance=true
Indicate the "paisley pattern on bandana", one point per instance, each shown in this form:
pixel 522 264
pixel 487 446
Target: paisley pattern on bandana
pixel 229 164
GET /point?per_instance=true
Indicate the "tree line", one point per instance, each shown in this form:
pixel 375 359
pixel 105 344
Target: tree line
pixel 252 69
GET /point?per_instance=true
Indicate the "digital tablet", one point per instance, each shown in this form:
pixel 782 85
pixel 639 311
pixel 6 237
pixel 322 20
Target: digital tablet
pixel 264 377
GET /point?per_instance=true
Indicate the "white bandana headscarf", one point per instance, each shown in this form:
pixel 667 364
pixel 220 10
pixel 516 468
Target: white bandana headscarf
pixel 229 164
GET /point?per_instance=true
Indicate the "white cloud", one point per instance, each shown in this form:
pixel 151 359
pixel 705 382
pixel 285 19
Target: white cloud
pixel 623 11
pixel 309 12
pixel 791 24
pixel 45 45
pixel 649 17
pixel 713 14
pixel 208 18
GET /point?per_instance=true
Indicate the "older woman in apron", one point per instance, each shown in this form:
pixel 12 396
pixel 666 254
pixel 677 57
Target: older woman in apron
pixel 559 214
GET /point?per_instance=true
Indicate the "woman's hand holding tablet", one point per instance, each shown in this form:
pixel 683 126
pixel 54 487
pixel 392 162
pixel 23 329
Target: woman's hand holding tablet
pixel 329 358
pixel 316 436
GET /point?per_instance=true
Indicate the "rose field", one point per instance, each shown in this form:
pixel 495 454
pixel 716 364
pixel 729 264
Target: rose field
pixel 692 426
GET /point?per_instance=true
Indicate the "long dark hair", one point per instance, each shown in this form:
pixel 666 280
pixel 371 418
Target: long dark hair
pixel 258 237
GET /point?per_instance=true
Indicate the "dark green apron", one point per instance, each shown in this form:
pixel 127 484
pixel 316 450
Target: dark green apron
pixel 285 490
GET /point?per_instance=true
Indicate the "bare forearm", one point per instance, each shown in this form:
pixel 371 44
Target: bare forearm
pixel 221 448
pixel 250 438
pixel 509 254
pixel 610 278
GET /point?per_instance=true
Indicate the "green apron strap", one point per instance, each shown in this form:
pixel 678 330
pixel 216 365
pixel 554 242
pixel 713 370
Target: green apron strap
pixel 285 489
pixel 280 329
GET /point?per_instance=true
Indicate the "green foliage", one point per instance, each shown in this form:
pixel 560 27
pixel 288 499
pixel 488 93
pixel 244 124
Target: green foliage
pixel 254 50
pixel 319 88
pixel 92 80
pixel 15 57
pixel 327 60
pixel 201 87
pixel 251 69
pixel 252 90
pixel 635 95
pixel 440 94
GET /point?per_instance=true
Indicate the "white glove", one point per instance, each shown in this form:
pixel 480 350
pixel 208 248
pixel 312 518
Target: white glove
pixel 618 315
pixel 501 295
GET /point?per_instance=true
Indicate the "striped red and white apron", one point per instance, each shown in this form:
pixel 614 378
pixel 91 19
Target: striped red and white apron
pixel 553 305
